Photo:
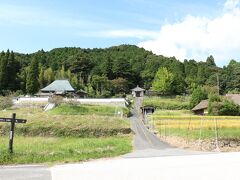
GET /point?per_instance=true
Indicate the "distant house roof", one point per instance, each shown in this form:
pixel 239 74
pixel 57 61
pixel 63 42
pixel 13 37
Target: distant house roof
pixel 59 86
pixel 202 105
pixel 138 89
pixel 234 97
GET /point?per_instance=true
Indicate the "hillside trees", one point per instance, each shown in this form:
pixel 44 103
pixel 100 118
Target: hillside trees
pixel 163 81
pixel 124 66
pixel 9 68
pixel 32 84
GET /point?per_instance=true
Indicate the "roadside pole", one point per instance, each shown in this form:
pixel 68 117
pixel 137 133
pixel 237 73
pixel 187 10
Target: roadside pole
pixel 11 135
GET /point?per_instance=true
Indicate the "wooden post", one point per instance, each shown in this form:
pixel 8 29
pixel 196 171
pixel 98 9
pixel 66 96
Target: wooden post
pixel 11 135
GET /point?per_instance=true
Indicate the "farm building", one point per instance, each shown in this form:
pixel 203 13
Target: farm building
pixel 57 87
pixel 201 108
pixel 138 92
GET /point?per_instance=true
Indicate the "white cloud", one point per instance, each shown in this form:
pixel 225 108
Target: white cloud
pixel 231 4
pixel 199 37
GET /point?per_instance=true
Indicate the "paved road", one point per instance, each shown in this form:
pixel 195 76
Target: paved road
pixel 223 166
pixel 146 144
pixel 25 173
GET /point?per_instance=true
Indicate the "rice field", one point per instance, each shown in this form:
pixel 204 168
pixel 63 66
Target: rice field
pixel 197 127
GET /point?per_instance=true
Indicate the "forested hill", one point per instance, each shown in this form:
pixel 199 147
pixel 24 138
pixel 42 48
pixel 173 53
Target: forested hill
pixel 111 71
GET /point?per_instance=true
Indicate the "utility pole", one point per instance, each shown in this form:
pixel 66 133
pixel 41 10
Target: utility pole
pixel 218 88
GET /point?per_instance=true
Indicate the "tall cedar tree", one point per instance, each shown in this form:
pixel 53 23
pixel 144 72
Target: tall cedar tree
pixel 12 70
pixel 32 84
pixel 3 70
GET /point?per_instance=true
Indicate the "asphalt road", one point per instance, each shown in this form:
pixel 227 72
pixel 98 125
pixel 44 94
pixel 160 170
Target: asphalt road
pixel 147 144
pixel 222 166
pixel 25 173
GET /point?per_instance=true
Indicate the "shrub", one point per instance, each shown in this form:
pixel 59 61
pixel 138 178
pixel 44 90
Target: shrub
pixel 214 104
pixel 229 108
pixel 57 100
pixel 5 102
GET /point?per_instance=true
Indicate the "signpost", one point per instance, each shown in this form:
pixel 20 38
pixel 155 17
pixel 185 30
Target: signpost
pixel 12 120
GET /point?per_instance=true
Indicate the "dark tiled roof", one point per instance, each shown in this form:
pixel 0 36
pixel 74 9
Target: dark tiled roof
pixel 202 105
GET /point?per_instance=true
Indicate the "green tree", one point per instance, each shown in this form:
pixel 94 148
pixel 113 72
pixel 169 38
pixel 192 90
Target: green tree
pixel 163 81
pixel 48 76
pixel 12 70
pixel 100 84
pixel 197 96
pixel 120 85
pixel 32 84
pixel 41 79
pixel 3 70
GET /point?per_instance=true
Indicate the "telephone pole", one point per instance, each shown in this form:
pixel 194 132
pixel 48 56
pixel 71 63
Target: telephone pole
pixel 218 86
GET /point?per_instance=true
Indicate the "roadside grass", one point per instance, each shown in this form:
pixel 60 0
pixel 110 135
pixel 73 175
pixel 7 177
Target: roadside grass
pixel 167 103
pixel 103 110
pixel 62 150
pixel 57 138
pixel 195 127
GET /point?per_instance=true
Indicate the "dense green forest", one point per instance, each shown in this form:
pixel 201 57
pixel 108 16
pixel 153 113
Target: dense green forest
pixel 112 71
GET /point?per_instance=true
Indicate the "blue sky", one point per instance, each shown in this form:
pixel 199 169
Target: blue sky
pixel 27 26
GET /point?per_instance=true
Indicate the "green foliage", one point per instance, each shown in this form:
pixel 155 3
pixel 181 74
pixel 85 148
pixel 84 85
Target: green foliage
pixel 229 108
pixel 197 96
pixel 32 84
pixel 5 102
pixel 167 103
pixel 126 65
pixel 120 85
pixel 163 81
pixel 214 103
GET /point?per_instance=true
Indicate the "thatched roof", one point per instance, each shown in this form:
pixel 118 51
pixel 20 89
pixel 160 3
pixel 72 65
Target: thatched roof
pixel 59 86
pixel 234 97
pixel 202 105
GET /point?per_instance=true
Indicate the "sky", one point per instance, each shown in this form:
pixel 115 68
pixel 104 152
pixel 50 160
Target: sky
pixel 185 29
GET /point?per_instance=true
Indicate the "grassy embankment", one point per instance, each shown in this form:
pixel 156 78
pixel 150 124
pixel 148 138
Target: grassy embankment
pixel 168 103
pixel 172 118
pixel 63 135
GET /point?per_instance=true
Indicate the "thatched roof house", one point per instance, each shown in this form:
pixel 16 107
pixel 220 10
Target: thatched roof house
pixel 201 108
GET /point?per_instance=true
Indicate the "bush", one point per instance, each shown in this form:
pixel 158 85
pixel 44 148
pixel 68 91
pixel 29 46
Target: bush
pixel 214 104
pixel 57 100
pixel 5 102
pixel 198 95
pixel 229 108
